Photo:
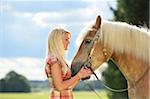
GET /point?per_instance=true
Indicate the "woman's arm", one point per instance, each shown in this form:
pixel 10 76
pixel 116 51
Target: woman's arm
pixel 74 84
pixel 62 85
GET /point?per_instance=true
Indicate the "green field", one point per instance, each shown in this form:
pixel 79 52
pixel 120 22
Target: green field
pixel 45 95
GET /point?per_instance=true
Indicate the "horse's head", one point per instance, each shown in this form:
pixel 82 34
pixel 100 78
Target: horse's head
pixel 97 56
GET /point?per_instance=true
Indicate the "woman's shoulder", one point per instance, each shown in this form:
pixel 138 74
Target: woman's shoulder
pixel 51 58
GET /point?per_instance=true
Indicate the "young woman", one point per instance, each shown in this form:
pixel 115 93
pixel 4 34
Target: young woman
pixel 57 69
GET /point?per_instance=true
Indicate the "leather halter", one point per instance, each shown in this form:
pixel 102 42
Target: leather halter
pixel 92 46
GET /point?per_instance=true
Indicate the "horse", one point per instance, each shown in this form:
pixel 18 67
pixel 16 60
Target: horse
pixel 127 45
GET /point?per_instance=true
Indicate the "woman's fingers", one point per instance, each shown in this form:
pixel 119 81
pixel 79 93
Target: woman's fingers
pixel 85 72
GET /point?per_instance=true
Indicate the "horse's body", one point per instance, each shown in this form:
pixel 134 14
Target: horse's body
pixel 127 45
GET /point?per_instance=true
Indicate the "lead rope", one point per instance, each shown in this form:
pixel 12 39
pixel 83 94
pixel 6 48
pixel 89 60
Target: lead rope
pixel 111 89
pixel 93 90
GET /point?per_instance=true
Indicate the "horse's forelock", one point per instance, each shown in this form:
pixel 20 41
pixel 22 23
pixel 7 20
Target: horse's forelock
pixel 83 33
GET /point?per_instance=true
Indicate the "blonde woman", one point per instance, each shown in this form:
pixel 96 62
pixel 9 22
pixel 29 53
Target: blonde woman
pixel 56 68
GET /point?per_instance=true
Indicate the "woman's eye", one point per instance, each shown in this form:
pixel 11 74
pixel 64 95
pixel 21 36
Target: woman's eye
pixel 87 41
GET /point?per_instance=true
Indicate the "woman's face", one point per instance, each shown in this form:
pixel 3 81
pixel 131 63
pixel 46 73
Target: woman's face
pixel 66 40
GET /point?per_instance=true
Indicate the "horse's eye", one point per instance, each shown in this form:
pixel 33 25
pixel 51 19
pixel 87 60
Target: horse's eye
pixel 88 41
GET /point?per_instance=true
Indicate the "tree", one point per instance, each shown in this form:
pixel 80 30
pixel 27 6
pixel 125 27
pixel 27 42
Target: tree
pixel 2 85
pixel 132 11
pixel 14 82
pixel 115 80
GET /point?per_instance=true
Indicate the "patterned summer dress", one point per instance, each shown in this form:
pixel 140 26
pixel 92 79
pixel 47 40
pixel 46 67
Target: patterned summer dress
pixel 66 74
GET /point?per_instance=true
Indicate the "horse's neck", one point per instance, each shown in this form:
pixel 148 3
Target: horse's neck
pixel 130 66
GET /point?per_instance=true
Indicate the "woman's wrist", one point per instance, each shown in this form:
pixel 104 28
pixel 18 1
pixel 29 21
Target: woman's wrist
pixel 79 75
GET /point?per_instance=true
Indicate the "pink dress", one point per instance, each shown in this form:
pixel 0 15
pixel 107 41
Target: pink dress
pixel 66 74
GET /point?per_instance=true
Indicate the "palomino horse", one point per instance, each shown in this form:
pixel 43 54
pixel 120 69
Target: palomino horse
pixel 126 45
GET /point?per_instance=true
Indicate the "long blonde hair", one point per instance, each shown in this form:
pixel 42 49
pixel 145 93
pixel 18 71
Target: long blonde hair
pixel 55 44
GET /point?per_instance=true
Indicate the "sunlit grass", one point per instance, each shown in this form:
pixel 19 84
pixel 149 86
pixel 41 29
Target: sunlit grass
pixel 90 95
pixel 45 95
pixel 40 95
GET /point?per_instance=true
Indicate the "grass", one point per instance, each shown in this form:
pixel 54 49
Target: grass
pixel 45 95
pixel 90 95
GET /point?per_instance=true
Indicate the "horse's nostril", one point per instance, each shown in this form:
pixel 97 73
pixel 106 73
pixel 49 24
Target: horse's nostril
pixel 73 73
pixel 75 68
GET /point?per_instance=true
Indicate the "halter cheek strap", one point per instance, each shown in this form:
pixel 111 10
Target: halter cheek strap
pixel 92 47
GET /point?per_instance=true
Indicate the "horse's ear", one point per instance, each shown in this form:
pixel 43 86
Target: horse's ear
pixel 98 22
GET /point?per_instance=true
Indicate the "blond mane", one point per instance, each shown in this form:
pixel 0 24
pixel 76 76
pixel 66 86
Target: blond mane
pixel 125 38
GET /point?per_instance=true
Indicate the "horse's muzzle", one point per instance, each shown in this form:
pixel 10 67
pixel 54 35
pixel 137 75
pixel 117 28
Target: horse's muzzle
pixel 75 68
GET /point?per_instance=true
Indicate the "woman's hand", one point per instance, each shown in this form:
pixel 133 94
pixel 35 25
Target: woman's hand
pixel 84 72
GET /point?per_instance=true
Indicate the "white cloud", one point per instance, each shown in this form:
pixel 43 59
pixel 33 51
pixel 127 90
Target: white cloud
pixel 39 19
pixel 45 19
pixel 50 19
pixel 23 14
pixel 5 7
pixel 32 68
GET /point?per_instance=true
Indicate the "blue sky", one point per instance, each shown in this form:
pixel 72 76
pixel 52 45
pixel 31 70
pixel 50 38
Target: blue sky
pixel 24 26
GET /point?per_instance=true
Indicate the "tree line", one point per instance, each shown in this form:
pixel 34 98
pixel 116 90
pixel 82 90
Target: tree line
pixel 14 82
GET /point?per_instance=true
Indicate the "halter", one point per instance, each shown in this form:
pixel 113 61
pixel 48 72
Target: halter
pixel 88 64
pixel 92 46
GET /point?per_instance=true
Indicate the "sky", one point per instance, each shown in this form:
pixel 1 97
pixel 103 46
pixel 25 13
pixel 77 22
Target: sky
pixel 25 24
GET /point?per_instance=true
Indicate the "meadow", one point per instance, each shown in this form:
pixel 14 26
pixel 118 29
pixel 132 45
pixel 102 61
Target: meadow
pixel 45 95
